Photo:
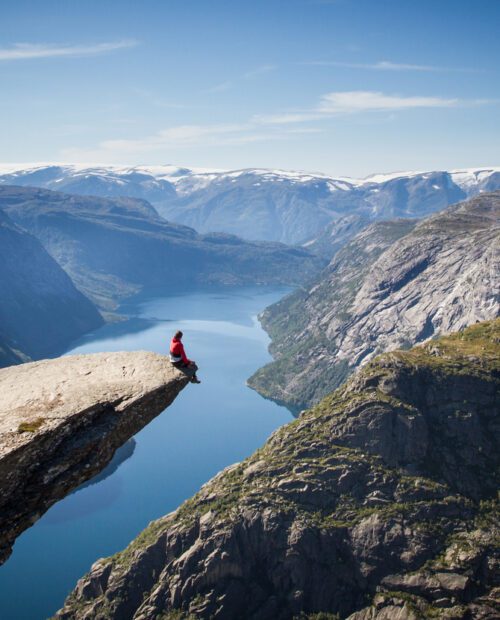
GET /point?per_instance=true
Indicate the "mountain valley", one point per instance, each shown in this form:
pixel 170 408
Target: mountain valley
pixel 112 248
pixel 379 501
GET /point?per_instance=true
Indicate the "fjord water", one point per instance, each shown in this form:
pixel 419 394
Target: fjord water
pixel 208 427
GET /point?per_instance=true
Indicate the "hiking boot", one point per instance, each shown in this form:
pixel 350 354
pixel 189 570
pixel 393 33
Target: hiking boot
pixel 195 380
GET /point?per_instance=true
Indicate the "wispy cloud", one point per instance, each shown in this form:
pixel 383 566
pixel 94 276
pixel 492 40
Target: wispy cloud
pixel 177 137
pixel 350 102
pixel 261 128
pixel 183 136
pixel 153 99
pixel 287 118
pixel 363 101
pixel 325 1
pixel 219 88
pixel 25 51
pixel 387 65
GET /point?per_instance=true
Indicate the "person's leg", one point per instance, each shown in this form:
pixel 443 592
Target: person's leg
pixel 194 368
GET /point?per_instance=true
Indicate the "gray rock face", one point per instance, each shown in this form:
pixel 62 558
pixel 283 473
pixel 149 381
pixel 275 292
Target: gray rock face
pixel 336 234
pixel 443 276
pixel 41 311
pixel 112 248
pixel 62 420
pixel 384 492
pixel 448 590
pixel 381 293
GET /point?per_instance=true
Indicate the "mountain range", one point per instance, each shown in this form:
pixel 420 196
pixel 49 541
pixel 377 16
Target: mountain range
pixel 379 501
pixel 272 205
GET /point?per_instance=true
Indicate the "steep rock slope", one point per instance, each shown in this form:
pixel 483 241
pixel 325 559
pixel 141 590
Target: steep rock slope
pixel 336 234
pixel 273 205
pixel 41 311
pixel 112 248
pixel 386 489
pixel 62 420
pixel 440 277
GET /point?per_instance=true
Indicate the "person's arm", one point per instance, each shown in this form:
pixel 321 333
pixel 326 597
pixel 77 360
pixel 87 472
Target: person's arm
pixel 183 354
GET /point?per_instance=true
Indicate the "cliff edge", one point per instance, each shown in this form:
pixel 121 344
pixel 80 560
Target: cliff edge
pixel 62 420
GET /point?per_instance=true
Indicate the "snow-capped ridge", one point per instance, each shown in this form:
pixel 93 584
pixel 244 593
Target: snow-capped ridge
pixel 187 180
pixel 268 204
pixel 463 177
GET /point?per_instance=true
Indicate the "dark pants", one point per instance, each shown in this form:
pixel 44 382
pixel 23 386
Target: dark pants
pixel 187 369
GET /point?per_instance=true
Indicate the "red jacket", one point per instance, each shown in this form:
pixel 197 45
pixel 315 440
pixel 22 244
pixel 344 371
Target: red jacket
pixel 177 349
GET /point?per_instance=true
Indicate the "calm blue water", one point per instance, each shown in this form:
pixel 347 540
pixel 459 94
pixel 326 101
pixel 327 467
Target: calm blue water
pixel 208 427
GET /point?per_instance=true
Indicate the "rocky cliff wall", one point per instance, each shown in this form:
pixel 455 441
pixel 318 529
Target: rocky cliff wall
pixel 380 502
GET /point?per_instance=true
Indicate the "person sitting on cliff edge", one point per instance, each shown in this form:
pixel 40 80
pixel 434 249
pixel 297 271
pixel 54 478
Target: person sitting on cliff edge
pixel 179 359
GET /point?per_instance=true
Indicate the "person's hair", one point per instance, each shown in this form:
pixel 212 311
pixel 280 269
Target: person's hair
pixel 178 334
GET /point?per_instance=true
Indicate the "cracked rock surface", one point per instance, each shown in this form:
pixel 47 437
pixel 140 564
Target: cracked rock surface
pixel 61 421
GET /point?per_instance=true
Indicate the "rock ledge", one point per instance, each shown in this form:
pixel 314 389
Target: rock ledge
pixel 62 420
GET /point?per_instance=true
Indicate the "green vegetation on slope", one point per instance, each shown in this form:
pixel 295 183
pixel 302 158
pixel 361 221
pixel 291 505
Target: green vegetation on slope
pixel 387 483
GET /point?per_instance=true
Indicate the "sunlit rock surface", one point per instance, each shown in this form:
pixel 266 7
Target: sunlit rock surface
pixel 394 285
pixel 62 420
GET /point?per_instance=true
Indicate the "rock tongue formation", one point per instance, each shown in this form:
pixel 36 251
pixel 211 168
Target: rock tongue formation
pixel 62 420
pixel 390 287
pixel 378 503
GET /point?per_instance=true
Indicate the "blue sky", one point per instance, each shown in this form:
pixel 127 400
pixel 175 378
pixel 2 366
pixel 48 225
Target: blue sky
pixel 346 87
